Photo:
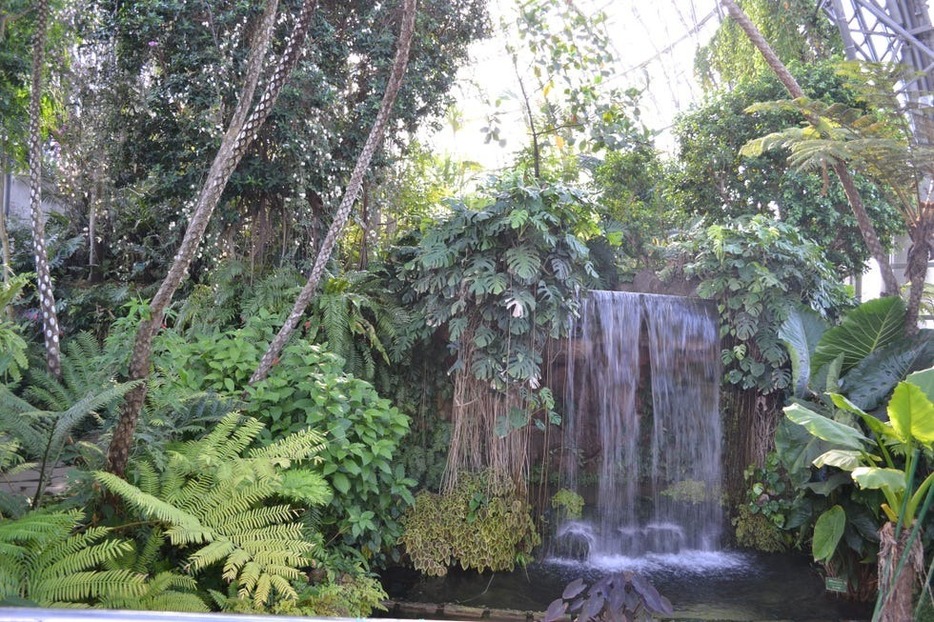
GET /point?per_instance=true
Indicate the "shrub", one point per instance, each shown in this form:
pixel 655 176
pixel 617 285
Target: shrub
pixel 364 433
pixel 471 525
pixel 309 389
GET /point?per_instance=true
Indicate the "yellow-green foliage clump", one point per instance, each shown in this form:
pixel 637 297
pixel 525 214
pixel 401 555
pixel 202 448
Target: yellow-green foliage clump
pixel 568 501
pixel 687 491
pixel 755 531
pixel 471 525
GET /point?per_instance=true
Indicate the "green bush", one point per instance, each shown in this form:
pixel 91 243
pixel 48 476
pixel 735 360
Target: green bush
pixel 364 433
pixel 471 525
pixel 757 269
pixel 569 503
pixel 755 531
pixel 308 388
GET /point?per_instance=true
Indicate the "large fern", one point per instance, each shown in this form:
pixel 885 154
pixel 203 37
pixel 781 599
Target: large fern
pixel 215 502
pixel 46 560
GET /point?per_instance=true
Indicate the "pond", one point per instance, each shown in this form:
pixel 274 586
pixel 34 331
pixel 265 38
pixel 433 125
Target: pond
pixel 734 586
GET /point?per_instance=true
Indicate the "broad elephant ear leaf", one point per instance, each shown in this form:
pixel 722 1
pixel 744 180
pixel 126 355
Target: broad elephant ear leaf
pixel 797 449
pixel 827 533
pixel 875 376
pixel 911 414
pixel 800 333
pixel 869 327
pixel 924 380
pixel 825 428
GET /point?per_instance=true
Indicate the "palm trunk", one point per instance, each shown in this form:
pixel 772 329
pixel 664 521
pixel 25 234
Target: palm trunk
pixel 898 591
pixel 350 196
pixel 918 254
pixel 50 328
pixel 889 282
pixel 240 134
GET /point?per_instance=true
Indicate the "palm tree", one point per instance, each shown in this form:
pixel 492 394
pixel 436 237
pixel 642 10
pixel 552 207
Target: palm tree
pixel 884 147
pixel 243 128
pixel 890 283
pixel 50 328
pixel 350 196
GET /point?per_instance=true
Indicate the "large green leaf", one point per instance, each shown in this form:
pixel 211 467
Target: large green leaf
pixel 924 380
pixel 846 459
pixel 879 428
pixel 797 449
pixel 911 414
pixel 869 327
pixel 825 428
pixel 800 333
pixel 523 261
pixel 891 480
pixel 873 378
pixel 827 533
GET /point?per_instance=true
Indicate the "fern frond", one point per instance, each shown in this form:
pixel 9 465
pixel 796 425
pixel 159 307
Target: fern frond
pixel 297 446
pixel 281 585
pixel 235 563
pixel 38 527
pixel 83 586
pixel 147 480
pixel 83 559
pixel 166 591
pixel 229 505
pixel 173 601
pixel 213 553
pixel 304 486
pixel 258 518
pixel 149 505
pixel 66 421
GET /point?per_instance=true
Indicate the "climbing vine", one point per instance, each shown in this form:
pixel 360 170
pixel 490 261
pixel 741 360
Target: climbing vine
pixel 757 269
pixel 501 280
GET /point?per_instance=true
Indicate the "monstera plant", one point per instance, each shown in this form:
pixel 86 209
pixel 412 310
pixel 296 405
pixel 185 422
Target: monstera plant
pixel 885 458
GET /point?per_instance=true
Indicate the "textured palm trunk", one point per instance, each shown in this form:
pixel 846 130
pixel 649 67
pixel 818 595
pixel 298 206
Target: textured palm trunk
pixel 898 590
pixel 50 328
pixel 866 228
pixel 918 255
pixel 242 130
pixel 350 196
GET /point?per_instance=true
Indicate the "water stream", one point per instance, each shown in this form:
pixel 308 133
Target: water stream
pixel 642 428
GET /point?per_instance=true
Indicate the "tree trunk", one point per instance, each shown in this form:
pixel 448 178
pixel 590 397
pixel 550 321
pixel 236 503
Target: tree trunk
pixel 898 594
pixel 4 233
pixel 350 196
pixel 889 282
pixel 240 133
pixel 918 255
pixel 50 328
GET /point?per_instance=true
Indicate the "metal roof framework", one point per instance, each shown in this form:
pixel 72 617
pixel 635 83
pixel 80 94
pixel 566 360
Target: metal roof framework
pixel 896 31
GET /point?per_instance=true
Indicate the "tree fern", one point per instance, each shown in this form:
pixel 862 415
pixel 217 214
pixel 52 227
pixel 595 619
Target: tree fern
pixel 82 374
pixel 212 499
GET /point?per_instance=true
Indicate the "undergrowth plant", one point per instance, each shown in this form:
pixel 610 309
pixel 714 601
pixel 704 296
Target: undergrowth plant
pixel 227 510
pixel 49 559
pixel 38 429
pixel 12 345
pixel 365 434
pixel 473 525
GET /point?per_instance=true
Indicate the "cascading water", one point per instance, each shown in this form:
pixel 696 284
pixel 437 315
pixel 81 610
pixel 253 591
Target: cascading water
pixel 642 420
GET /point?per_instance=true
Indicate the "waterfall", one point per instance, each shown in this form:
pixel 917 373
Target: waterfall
pixel 642 426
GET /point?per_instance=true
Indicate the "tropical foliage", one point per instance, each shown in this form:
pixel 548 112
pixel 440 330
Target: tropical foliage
pixel 400 423
pixel 756 269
